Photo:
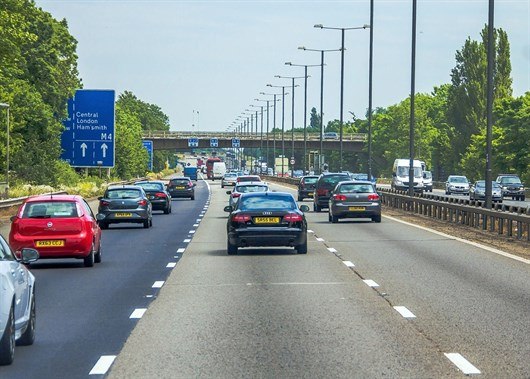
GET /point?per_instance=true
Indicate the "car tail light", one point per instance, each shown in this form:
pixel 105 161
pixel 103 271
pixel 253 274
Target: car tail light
pixel 373 197
pixel 339 197
pixel 302 184
pixel 236 194
pixel 160 194
pixel 322 192
pixel 190 184
pixel 241 218
pixel 292 217
pixel 104 203
pixel 142 202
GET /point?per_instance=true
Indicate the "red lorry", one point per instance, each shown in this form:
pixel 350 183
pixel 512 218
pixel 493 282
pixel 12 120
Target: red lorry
pixel 209 166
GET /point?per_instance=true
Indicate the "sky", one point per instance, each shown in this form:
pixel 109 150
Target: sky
pixel 205 62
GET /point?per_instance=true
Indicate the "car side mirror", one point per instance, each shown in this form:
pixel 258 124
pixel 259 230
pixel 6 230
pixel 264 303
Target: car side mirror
pixel 228 209
pixel 13 218
pixel 28 255
pixel 228 192
pixel 304 208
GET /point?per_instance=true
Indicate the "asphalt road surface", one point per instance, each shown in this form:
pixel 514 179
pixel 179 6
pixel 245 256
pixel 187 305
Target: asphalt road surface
pixel 368 300
pixel 85 313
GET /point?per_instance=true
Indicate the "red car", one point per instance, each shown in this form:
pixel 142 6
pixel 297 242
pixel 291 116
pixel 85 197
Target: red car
pixel 57 226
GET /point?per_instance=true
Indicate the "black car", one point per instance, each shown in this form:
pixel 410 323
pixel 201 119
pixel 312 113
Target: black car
pixel 306 186
pixel 127 203
pixel 511 186
pixel 325 184
pixel 157 194
pixel 181 187
pixel 266 219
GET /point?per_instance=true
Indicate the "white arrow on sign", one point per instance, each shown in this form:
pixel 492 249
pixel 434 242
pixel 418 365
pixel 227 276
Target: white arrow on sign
pixel 83 149
pixel 104 147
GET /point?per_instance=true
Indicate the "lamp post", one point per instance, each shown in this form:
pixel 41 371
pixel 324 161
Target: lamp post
pixel 321 51
pixel 6 106
pixel 267 131
pixel 489 101
pixel 370 76
pixel 341 78
pixel 305 66
pixel 412 98
pixel 283 124
pixel 273 128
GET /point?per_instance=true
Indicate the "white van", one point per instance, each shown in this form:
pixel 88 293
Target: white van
pixel 218 170
pixel 400 175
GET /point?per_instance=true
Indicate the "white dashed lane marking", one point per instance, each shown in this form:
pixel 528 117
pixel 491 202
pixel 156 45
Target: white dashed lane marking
pixel 181 250
pixel 310 231
pixel 171 264
pixel 348 263
pixel 462 363
pixel 320 239
pixel 403 311
pixel 158 284
pixel 138 313
pixel 332 250
pixel 371 283
pixel 191 231
pixel 195 225
pixel 187 240
pixel 102 365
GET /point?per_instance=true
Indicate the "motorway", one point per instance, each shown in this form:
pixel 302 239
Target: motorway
pixel 368 300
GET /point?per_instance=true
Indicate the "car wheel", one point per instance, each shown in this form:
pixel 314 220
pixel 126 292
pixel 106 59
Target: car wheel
pixel 103 225
pixel 334 219
pixel 316 208
pixel 376 218
pixel 222 185
pixel 7 343
pixel 89 260
pixel 300 198
pixel 29 334
pixel 193 197
pixel 302 249
pixel 166 210
pixel 97 257
pixel 329 217
pixel 231 249
pixel 146 224
pixel 523 197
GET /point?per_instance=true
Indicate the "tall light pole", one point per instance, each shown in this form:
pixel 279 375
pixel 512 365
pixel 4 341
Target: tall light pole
pixel 305 66
pixel 370 77
pixel 489 101
pixel 283 124
pixel 273 129
pixel 321 51
pixel 341 79
pixel 412 98
pixel 292 115
pixel 6 106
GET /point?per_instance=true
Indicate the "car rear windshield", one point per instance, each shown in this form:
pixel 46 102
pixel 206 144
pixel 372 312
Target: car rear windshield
pixel 255 203
pixel 310 180
pixel 249 179
pixel 123 193
pixel 152 186
pixel 55 209
pixel 245 189
pixel 356 188
pixel 332 180
pixel 179 182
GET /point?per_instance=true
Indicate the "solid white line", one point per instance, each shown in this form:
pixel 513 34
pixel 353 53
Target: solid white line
pixel 320 239
pixel 490 249
pixel 348 263
pixel 171 264
pixel 462 363
pixel 102 365
pixel 332 250
pixel 195 225
pixel 138 313
pixel 187 240
pixel 158 284
pixel 371 283
pixel 191 231
pixel 403 311
pixel 181 250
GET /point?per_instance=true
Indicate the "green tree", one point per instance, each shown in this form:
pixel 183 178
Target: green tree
pixel 314 121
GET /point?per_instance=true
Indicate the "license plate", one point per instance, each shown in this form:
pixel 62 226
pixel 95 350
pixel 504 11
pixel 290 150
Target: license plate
pixel 356 209
pixel 266 220
pixel 181 187
pixel 49 243
pixel 123 214
pixel 310 194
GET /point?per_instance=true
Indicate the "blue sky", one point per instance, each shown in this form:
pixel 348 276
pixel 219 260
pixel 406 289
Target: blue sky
pixel 215 57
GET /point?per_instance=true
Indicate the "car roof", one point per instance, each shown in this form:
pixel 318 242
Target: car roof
pixel 309 176
pixel 124 186
pixel 356 182
pixel 181 178
pixel 51 197
pixel 244 184
pixel 261 194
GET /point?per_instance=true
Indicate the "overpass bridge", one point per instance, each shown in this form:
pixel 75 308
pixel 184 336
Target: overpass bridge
pixel 351 142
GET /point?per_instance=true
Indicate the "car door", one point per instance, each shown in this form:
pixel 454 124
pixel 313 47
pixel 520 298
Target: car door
pixel 15 276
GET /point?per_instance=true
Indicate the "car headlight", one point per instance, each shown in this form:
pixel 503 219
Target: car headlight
pixel 399 182
pixel 505 188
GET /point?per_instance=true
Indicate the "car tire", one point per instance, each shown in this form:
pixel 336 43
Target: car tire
pixel 7 343
pixel 28 337
pixel 97 257
pixel 146 224
pixel 103 225
pixel 166 210
pixel 231 249
pixel 329 217
pixel 192 198
pixel 300 198
pixel 522 198
pixel 302 249
pixel 376 219
pixel 222 185
pixel 316 207
pixel 334 219
pixel 90 259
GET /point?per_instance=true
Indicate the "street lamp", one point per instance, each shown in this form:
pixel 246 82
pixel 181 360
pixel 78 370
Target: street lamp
pixel 341 78
pixel 6 106
pixel 321 97
pixel 305 66
pixel 273 128
pixel 283 124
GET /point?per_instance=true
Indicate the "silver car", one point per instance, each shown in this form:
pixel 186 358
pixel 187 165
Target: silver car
pixel 354 199
pixel 17 301
pixel 478 191
pixel 245 187
pixel 457 184
pixel 229 179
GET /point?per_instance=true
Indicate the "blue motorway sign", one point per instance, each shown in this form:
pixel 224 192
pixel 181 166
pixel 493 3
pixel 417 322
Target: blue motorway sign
pixel 148 145
pixel 236 142
pixel 193 142
pixel 88 137
pixel 214 142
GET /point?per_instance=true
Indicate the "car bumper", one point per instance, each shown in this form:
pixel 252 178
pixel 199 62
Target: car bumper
pixel 183 193
pixel 264 236
pixel 306 193
pixel 74 247
pixel 135 216
pixel 322 201
pixel 159 205
pixel 355 210
pixel 513 192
